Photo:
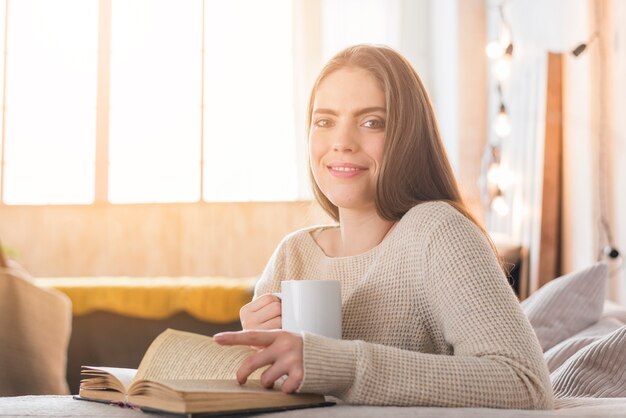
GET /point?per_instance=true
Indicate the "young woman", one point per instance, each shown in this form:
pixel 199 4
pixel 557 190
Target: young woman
pixel 428 315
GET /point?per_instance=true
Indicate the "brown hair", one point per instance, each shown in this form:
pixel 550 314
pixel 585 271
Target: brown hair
pixel 415 167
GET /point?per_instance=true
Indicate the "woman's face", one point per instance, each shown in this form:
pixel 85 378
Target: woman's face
pixel 347 136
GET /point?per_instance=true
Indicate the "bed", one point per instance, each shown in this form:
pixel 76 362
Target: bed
pixel 583 337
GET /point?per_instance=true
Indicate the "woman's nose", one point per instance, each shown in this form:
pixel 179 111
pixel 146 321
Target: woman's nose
pixel 344 140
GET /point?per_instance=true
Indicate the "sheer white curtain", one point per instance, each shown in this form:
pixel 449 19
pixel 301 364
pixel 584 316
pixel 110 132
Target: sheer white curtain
pixel 558 26
pixel 250 138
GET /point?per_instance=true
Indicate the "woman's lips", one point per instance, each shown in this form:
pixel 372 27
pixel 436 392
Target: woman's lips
pixel 345 170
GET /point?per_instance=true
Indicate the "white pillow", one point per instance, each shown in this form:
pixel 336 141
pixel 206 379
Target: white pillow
pixel 567 305
pixel 597 370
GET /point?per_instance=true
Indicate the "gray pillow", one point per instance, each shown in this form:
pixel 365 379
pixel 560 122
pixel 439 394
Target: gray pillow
pixel 558 354
pixel 567 305
pixel 597 370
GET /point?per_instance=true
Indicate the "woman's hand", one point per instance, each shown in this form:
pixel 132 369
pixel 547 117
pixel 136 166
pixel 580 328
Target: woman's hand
pixel 280 349
pixel 262 313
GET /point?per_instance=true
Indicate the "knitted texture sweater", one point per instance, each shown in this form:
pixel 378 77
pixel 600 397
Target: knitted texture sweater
pixel 428 319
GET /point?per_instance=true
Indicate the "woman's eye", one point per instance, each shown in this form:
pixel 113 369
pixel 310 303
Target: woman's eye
pixel 374 124
pixel 322 123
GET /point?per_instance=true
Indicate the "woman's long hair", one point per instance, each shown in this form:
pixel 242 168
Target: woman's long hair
pixel 415 167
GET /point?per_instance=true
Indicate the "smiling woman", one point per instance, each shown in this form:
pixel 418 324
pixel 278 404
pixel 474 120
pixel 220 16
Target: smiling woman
pixel 428 317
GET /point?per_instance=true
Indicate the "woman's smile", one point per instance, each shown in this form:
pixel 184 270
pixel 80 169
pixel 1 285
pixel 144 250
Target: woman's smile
pixel 345 170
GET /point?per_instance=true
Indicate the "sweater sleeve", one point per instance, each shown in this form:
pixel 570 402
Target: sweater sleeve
pixel 497 361
pixel 269 282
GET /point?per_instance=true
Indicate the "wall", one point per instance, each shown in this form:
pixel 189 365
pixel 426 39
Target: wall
pixel 593 101
pixel 195 239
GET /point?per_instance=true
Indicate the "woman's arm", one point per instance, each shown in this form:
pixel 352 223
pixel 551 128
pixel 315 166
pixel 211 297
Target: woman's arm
pixel 497 360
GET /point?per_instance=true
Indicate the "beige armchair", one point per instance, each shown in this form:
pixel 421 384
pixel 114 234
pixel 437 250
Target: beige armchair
pixel 35 328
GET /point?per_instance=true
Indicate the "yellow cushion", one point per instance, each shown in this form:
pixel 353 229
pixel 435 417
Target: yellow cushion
pixel 212 299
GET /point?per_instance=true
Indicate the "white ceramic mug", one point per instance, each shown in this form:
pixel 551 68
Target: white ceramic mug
pixel 312 306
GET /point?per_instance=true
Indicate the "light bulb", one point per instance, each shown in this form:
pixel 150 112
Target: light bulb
pixel 494 49
pixel 505 179
pixel 499 176
pixel 493 174
pixel 502 124
pixel 502 68
pixel 499 205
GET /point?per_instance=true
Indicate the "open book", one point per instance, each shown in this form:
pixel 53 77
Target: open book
pixel 188 373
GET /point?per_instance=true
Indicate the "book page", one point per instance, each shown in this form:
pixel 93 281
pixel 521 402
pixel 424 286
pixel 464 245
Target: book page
pixel 117 378
pixel 185 355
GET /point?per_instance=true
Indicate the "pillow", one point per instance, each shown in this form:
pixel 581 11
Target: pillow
pixel 558 354
pixel 614 310
pixel 567 305
pixel 596 371
pixel 35 329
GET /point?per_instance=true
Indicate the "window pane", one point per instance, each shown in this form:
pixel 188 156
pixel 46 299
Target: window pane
pixel 50 102
pixel 156 86
pixel 249 137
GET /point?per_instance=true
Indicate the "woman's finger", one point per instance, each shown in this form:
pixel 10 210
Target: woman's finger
pixel 259 302
pixel 269 311
pixel 272 374
pixel 287 367
pixel 256 338
pixel 254 362
pixel 294 380
pixel 272 324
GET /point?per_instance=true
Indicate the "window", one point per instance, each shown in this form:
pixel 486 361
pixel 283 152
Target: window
pixel 49 102
pixel 199 102
pixel 156 98
pixel 140 101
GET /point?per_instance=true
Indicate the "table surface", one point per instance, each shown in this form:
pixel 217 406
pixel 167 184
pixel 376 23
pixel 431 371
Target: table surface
pixel 66 406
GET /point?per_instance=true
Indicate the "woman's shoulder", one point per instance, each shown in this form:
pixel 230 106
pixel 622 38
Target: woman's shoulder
pixel 439 223
pixel 436 220
pixel 432 214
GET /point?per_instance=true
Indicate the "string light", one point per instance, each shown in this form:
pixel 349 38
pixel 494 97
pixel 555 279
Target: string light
pixel 502 124
pixel 496 179
pixel 501 69
pixel 583 46
pixel 499 205
pixel 495 50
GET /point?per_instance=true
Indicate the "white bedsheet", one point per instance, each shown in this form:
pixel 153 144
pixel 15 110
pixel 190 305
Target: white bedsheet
pixel 65 406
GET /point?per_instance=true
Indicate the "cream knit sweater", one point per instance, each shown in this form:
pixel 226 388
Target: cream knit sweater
pixel 428 319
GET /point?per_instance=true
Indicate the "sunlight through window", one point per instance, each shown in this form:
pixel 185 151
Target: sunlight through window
pixel 50 102
pixel 183 124
pixel 250 148
pixel 156 87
